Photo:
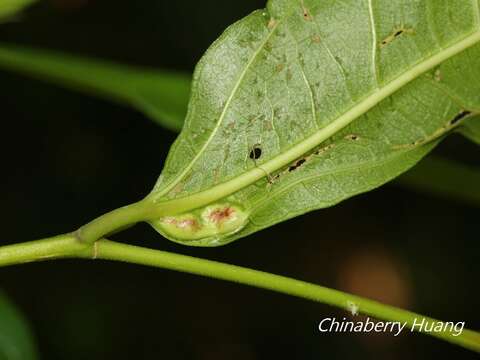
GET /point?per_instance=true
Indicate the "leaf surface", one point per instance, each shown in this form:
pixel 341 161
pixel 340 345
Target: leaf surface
pixel 307 103
pixel 471 129
pixel 16 341
pixel 161 95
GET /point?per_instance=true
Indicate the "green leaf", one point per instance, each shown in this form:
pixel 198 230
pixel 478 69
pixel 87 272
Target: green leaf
pixel 471 129
pixel 9 8
pixel 16 340
pixel 160 95
pixel 307 103
pixel 445 178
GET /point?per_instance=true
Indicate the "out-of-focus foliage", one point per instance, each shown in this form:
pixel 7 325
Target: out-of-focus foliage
pixel 16 341
pixel 472 129
pixel 9 8
pixel 161 95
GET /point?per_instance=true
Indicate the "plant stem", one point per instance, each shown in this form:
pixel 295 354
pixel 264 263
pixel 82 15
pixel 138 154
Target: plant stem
pixel 69 246
pixel 450 179
pixel 60 246
pixel 115 220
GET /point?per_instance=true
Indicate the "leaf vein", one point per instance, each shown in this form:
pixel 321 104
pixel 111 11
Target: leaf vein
pixel 224 110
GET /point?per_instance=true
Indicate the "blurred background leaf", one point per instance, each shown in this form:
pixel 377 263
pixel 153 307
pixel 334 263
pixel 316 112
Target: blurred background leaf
pixel 9 8
pixel 471 129
pixel 160 95
pixel 445 178
pixel 16 340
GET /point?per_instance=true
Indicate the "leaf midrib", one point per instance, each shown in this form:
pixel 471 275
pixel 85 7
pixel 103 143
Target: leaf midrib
pixel 196 200
pixel 367 164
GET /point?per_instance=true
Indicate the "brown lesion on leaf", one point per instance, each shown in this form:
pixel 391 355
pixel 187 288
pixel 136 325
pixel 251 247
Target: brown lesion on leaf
pixel 435 74
pixel 449 125
pixel 316 39
pixel 220 215
pixel 279 68
pixel 352 137
pixel 306 13
pixel 460 116
pixel 190 224
pixel 177 189
pixel 271 23
pixel 323 149
pixel 297 164
pixel 396 33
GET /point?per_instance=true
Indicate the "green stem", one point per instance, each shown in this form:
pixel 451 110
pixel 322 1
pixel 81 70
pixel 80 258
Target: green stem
pixel 433 175
pixel 68 246
pixel 115 220
pixel 60 246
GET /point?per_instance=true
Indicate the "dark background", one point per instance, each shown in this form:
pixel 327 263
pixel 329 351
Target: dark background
pixel 67 158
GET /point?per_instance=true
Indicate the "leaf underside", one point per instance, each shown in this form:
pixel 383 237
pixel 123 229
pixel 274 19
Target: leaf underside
pixel 307 103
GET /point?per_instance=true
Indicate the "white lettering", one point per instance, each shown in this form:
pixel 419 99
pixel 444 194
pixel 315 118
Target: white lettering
pixel 320 325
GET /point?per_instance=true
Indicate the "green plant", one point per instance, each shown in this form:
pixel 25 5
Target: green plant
pixel 9 8
pixel 15 335
pixel 306 112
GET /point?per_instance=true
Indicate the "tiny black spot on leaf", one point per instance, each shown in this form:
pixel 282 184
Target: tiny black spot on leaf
pixel 296 165
pixel 255 153
pixel 460 116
